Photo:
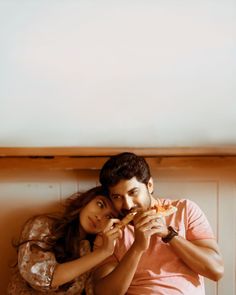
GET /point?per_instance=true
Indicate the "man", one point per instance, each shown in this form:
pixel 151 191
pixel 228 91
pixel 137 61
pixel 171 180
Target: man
pixel 155 256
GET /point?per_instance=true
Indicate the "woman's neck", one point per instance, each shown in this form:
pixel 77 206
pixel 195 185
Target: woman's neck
pixel 82 232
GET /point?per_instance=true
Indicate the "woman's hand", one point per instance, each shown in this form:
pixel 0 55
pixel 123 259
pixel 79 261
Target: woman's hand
pixel 107 238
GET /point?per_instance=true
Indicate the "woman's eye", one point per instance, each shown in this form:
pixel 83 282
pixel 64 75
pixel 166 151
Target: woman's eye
pixel 109 216
pixel 100 204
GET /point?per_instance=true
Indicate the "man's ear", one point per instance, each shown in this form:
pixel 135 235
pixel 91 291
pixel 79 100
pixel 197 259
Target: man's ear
pixel 150 185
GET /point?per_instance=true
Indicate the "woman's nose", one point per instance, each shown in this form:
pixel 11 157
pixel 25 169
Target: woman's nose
pixel 98 217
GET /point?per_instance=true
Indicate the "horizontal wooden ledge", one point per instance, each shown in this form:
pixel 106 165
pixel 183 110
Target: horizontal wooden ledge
pixel 95 163
pixel 109 151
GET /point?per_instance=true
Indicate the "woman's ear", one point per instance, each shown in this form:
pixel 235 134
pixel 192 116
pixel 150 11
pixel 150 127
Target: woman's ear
pixel 150 185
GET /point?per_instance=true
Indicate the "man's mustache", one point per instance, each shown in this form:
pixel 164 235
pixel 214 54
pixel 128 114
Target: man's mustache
pixel 125 212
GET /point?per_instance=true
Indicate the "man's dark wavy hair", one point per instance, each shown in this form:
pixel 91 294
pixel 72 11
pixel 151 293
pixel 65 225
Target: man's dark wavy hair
pixel 124 166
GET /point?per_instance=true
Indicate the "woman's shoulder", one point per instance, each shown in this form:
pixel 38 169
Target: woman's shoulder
pixel 38 221
pixel 37 226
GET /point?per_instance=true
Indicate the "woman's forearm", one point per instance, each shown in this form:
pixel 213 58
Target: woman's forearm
pixel 118 281
pixel 66 272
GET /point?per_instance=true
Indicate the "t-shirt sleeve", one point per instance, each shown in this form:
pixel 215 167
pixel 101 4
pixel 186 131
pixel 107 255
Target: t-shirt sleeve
pixel 35 263
pixel 198 227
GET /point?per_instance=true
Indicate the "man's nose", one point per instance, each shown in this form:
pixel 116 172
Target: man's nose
pixel 128 203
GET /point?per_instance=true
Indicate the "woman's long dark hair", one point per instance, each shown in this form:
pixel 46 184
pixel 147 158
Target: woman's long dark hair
pixel 65 230
pixel 65 237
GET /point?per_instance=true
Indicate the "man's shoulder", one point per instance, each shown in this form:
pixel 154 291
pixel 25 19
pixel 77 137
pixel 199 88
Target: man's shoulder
pixel 183 202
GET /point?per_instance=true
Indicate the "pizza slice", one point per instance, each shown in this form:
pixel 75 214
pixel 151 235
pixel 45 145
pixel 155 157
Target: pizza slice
pixel 127 219
pixel 164 211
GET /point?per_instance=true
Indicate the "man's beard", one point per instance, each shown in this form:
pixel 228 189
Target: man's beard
pixel 150 198
pixel 145 206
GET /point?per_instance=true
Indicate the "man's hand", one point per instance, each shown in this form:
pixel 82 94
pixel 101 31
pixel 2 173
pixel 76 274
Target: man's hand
pixel 147 224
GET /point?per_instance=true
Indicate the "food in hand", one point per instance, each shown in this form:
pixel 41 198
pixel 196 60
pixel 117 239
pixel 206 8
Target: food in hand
pixel 164 211
pixel 127 219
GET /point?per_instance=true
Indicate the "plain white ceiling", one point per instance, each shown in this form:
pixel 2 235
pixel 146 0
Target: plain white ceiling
pixel 117 73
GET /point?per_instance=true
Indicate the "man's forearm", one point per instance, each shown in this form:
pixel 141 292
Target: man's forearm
pixel 118 281
pixel 199 256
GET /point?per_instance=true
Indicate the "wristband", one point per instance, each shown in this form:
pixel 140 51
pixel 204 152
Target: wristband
pixel 172 233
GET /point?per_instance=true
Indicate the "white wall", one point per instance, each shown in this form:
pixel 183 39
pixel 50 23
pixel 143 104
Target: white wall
pixel 117 73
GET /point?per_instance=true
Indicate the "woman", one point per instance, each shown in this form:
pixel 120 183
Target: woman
pixel 54 254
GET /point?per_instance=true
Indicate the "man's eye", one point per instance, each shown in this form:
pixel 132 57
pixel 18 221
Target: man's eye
pixel 116 197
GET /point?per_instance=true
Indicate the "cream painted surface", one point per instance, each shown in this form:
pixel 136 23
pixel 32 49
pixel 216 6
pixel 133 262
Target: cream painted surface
pixel 117 73
pixel 31 192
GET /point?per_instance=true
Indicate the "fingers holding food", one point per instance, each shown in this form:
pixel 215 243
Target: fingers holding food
pixel 148 217
pixel 111 224
pixel 165 210
pixel 127 219
pixel 158 211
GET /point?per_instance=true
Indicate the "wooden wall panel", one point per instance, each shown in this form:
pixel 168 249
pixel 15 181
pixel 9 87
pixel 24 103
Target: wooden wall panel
pixel 227 235
pixel 18 201
pixel 204 193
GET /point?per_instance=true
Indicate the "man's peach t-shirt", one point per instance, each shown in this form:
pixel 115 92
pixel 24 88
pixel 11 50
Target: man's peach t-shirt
pixel 160 270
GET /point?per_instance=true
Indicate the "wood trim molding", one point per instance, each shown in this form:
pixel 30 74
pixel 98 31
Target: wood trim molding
pixel 109 151
pixel 91 158
pixel 95 163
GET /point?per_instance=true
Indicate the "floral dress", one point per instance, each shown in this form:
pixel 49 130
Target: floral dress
pixel 36 266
